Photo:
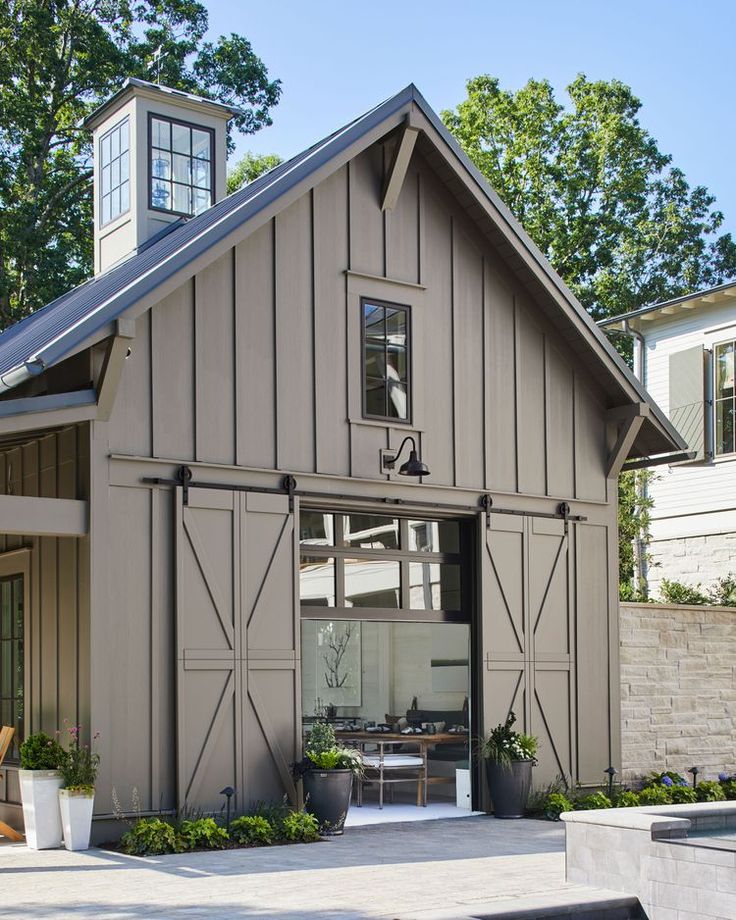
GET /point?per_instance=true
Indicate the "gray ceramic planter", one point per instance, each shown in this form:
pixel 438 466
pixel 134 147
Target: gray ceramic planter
pixel 327 796
pixel 509 787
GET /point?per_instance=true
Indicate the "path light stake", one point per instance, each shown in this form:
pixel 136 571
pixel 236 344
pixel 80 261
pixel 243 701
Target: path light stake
pixel 611 771
pixel 229 792
pixel 694 771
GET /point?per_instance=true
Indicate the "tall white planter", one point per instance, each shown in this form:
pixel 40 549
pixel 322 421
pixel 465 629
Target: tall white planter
pixel 76 818
pixel 39 790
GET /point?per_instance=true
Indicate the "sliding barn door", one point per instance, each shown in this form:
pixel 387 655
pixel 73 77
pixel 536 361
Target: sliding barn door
pixel 236 646
pixel 527 634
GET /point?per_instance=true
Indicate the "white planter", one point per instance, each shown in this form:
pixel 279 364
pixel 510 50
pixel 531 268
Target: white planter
pixel 39 790
pixel 76 818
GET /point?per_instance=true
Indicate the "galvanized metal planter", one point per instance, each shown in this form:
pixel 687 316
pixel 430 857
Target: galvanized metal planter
pixel 509 787
pixel 327 796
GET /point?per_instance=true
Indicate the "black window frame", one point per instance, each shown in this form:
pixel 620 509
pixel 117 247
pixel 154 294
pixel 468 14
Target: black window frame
pixel 185 124
pixel 17 720
pixel 103 195
pixel 406 309
pixel 716 400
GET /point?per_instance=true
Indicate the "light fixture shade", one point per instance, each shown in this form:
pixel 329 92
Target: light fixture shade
pixel 414 466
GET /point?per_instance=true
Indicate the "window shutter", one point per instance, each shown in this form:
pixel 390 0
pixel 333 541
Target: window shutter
pixel 687 397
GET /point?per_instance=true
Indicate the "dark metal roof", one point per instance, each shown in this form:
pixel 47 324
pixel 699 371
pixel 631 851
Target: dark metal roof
pixel 56 331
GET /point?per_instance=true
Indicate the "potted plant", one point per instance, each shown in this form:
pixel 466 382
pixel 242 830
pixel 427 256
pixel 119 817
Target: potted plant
pixel 79 765
pixel 40 781
pixel 327 772
pixel 509 757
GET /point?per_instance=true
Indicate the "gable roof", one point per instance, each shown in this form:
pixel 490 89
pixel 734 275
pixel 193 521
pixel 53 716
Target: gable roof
pixel 666 309
pixel 85 314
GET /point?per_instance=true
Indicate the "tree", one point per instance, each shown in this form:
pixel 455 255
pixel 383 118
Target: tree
pixel 60 59
pixel 616 219
pixel 250 167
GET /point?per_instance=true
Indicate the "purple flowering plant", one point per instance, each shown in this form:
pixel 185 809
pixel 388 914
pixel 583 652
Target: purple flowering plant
pixel 80 762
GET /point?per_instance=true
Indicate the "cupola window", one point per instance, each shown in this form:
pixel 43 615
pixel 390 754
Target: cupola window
pixel 180 166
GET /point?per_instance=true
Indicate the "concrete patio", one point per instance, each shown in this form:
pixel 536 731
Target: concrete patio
pixel 452 868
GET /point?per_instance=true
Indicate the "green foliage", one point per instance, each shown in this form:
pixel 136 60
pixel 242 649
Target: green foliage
pixel 252 830
pixel 658 779
pixel 591 801
pixel 505 745
pixel 323 752
pixel 299 827
pixel 250 167
pixel 683 795
pixel 151 837
pixel 655 795
pixel 626 799
pixel 729 789
pixel 723 591
pixel 556 804
pixel 79 762
pixel 40 752
pixel 675 592
pixel 617 220
pixel 59 61
pixel 634 507
pixel 710 790
pixel 538 797
pixel 203 833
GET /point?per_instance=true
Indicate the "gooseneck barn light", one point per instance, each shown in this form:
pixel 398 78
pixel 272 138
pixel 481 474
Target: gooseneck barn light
pixel 413 466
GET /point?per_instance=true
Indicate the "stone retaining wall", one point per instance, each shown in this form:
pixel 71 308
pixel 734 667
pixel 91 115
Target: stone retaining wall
pixel 678 689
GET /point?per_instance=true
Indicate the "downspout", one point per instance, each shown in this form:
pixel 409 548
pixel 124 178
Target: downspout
pixel 640 368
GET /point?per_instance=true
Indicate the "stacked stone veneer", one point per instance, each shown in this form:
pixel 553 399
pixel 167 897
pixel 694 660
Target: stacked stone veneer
pixel 678 689
pixel 692 560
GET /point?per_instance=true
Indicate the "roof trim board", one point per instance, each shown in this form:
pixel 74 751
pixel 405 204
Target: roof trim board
pixel 135 284
pixel 705 297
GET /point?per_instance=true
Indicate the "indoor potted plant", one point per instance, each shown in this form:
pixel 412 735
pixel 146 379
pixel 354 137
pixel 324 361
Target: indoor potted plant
pixel 327 772
pixel 79 765
pixel 40 781
pixel 509 757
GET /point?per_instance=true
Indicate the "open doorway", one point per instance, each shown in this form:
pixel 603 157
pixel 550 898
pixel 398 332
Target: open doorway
pixel 386 657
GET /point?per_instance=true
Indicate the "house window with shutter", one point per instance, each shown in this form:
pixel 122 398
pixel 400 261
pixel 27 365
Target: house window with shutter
pixel 724 401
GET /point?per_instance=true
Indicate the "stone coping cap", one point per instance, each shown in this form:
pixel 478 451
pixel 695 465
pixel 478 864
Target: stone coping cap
pixel 653 818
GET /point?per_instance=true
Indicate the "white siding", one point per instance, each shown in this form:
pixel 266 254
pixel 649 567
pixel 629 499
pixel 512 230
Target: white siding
pixel 682 492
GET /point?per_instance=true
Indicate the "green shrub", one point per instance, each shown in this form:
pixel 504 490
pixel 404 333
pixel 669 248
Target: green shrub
pixel 655 795
pixel 683 795
pixel 627 799
pixel 537 802
pixel 252 830
pixel 675 592
pixel 203 833
pixel 151 837
pixel 299 827
pixel 556 804
pixel 710 791
pixel 723 591
pixel 729 789
pixel 592 801
pixel 40 752
pixel 668 778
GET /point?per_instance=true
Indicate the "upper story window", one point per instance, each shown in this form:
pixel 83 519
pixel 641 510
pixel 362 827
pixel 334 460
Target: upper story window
pixel 115 172
pixel 386 390
pixel 724 398
pixel 181 157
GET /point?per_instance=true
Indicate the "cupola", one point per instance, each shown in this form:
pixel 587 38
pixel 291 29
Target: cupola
pixel 159 156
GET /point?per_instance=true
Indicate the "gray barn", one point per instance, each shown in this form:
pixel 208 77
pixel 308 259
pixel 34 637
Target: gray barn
pixel 204 542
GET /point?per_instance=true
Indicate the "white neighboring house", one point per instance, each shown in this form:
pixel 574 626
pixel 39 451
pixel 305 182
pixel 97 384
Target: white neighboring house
pixel 684 355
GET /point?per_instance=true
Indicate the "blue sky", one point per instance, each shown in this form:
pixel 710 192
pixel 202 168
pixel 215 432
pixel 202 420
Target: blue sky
pixel 337 59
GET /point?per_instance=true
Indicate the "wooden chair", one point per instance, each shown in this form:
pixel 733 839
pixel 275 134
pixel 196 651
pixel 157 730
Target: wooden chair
pixel 388 769
pixel 6 737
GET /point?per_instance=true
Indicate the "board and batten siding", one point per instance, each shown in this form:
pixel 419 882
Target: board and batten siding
pixel 254 364
pixel 57 624
pixel 689 499
pixel 256 361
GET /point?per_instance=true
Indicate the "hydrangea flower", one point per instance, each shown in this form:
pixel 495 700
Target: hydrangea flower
pixel 667 781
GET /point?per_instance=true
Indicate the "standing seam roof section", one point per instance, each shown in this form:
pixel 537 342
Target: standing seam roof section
pixel 55 330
